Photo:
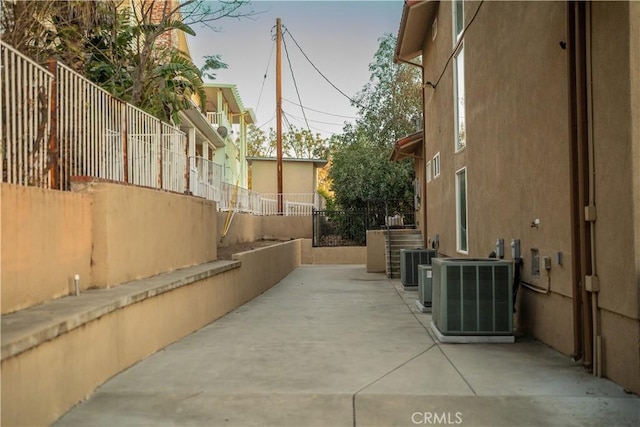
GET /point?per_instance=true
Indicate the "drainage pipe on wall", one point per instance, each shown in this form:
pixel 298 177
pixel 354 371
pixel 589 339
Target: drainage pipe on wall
pixel 595 287
pixel 581 157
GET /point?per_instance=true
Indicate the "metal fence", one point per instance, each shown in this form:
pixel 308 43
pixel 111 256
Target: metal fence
pixel 349 227
pixel 25 126
pixel 56 124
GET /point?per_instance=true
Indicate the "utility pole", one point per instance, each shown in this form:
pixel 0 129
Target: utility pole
pixel 279 112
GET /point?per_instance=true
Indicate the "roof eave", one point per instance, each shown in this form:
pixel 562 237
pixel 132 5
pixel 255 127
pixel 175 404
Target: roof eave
pixel 417 17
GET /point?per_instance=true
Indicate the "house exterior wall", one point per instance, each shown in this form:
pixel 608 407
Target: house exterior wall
pixel 297 177
pixel 517 160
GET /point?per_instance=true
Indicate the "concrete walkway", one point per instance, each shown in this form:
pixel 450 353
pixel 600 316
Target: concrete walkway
pixel 336 346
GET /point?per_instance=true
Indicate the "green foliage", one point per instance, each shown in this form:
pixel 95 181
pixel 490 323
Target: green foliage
pixel 296 143
pixel 212 63
pixel 128 54
pixel 390 102
pixel 330 203
pixel 361 172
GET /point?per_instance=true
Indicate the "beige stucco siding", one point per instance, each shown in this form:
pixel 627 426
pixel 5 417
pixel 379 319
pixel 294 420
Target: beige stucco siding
pixel 518 165
pixel 614 174
pixel 297 177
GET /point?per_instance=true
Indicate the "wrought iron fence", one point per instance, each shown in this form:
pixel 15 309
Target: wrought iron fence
pixel 349 227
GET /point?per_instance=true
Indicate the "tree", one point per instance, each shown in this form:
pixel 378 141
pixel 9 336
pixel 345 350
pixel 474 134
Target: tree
pixel 389 105
pixel 296 143
pixel 128 50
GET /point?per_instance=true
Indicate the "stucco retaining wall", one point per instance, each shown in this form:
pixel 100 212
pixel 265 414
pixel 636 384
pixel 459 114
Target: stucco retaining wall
pixel 46 241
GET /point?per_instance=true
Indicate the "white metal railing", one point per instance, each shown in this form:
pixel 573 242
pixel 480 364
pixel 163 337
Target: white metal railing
pixel 25 125
pixel 89 129
pixel 205 179
pixel 58 124
pixel 174 166
pixel 219 119
pixel 292 203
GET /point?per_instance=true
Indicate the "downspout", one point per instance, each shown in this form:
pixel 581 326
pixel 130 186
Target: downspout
pixel 593 285
pixel 580 187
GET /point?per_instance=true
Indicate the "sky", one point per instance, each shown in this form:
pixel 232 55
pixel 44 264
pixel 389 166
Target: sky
pixel 339 37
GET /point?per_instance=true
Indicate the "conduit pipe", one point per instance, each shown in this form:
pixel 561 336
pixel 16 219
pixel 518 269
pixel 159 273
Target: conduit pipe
pixel 581 183
pixel 595 288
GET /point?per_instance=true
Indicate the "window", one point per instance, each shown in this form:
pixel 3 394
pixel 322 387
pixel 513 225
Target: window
pixel 428 172
pixel 434 29
pixel 461 211
pixel 459 101
pixel 436 165
pixel 458 19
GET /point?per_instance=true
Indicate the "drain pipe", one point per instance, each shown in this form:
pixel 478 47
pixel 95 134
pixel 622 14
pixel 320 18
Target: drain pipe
pixel 582 212
pixel 593 285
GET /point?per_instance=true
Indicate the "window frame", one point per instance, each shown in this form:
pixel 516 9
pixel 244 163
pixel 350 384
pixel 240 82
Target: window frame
pixel 460 236
pixel 436 165
pixel 458 106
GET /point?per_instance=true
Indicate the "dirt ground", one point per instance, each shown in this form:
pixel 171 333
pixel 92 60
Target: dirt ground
pixel 225 252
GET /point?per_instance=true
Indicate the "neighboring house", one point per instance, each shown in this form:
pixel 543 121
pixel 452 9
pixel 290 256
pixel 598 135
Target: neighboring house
pixel 299 179
pixel 231 121
pixel 532 132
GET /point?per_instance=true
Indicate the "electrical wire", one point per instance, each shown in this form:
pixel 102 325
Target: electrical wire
pixel 354 102
pixel 317 121
pixel 319 111
pixel 312 127
pixel 268 121
pixel 265 75
pixel 456 47
pixel 295 84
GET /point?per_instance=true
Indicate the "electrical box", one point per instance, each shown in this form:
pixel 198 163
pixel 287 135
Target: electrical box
pixel 500 248
pixel 515 248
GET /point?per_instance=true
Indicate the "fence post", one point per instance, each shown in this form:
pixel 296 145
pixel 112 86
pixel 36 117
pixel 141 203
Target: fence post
pixel 161 140
pixel 125 142
pixel 53 132
pixel 187 170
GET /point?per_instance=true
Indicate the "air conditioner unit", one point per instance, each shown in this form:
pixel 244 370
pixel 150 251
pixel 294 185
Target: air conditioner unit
pixel 472 296
pixel 424 288
pixel 409 261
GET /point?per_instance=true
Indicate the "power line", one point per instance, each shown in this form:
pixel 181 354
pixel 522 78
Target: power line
pixel 455 49
pixel 320 72
pixel 319 111
pixel 268 121
pixel 312 127
pixel 295 84
pixel 317 121
pixel 265 76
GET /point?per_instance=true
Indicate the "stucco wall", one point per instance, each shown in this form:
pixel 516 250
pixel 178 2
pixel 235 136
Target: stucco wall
pixel 243 228
pixel 518 165
pixel 249 228
pixel 297 177
pixel 617 174
pixel 517 135
pixel 333 255
pixel 46 241
pixel 287 227
pixel 139 232
pixel 376 258
pixel 54 376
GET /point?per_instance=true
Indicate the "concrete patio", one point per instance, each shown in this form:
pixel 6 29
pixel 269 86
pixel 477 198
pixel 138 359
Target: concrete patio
pixel 336 346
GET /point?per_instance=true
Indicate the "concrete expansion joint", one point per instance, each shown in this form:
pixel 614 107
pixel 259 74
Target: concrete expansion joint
pixel 28 328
